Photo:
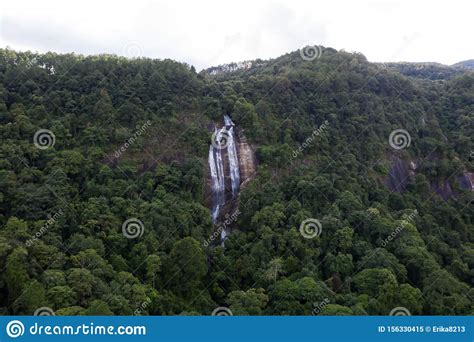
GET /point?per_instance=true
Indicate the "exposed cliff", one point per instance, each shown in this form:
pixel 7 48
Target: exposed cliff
pixel 402 172
pixel 247 161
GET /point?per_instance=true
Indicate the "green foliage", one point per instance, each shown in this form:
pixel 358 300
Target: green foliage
pixel 320 131
pixel 250 302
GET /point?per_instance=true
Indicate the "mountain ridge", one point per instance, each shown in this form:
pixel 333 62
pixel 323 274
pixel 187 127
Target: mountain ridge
pixel 122 174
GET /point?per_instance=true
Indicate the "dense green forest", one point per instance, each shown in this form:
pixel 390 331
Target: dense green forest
pixel 129 138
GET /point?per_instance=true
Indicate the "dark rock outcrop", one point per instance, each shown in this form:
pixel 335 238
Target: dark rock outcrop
pixel 401 172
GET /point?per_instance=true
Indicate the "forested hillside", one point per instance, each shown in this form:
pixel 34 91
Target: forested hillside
pixel 104 200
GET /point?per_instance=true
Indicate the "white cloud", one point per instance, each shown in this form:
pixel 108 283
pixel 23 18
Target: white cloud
pixel 207 32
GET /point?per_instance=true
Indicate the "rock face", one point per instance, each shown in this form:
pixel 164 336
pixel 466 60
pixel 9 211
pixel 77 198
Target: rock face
pixel 466 181
pixel 444 190
pixel 402 172
pixel 246 160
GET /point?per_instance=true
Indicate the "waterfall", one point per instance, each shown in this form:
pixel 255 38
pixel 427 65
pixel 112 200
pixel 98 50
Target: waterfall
pixel 227 137
pixel 217 177
pixel 223 236
pixel 232 154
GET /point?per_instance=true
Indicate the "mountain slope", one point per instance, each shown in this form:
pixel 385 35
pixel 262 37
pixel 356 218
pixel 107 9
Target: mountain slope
pixel 468 64
pixel 114 218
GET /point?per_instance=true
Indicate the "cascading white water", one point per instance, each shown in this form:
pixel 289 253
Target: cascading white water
pixel 232 154
pixel 223 237
pixel 217 176
pixel 225 141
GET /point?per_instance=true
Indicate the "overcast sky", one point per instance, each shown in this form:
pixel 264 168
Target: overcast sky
pixel 205 33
